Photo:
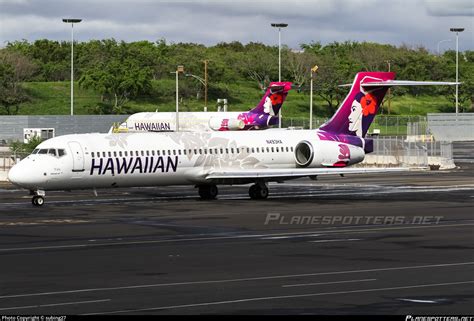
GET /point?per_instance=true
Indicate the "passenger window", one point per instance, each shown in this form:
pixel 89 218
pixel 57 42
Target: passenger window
pixel 110 154
pixel 126 153
pixel 103 154
pixel 216 151
pixel 153 153
pixel 258 150
pixel 142 152
pixel 174 152
pixel 115 154
pixel 292 148
pixel 92 153
pixel 147 153
pixel 158 153
pixel 210 150
pixel 169 152
pixel 253 150
pixel 227 151
pixel 273 150
pixel 184 151
pixel 287 148
pixel 222 151
pixel 120 154
pixel 200 151
pixel 232 150
pixel 268 149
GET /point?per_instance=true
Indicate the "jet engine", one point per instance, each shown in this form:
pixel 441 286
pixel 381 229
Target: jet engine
pixel 220 124
pixel 320 153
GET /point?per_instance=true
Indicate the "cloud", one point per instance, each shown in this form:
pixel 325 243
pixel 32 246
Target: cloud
pixel 414 22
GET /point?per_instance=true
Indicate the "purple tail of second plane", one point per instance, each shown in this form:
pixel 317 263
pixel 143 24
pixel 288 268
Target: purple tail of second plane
pixel 265 114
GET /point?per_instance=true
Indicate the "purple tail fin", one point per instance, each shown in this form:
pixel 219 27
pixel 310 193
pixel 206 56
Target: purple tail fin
pixel 273 99
pixel 357 111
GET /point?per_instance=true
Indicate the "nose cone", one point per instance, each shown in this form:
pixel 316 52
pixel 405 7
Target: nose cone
pixel 16 176
pixel 25 174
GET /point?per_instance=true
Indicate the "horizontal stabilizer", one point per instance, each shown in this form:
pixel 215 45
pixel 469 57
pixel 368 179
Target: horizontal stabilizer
pixel 390 83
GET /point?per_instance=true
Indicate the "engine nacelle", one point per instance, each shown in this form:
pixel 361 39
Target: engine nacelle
pixel 220 124
pixel 320 153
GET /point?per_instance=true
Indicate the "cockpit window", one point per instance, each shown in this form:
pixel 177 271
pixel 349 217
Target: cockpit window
pixel 50 151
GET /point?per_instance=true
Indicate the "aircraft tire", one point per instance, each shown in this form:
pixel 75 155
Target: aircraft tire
pixel 37 200
pixel 208 192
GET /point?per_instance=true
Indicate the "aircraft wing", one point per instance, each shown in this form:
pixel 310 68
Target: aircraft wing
pixel 284 173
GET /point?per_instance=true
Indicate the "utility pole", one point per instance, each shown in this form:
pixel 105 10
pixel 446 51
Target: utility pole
pixel 205 84
pixel 313 70
pixel 389 90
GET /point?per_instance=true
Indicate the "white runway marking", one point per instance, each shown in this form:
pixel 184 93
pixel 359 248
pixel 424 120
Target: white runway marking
pixel 418 301
pixel 335 240
pixel 350 230
pixel 262 278
pixel 324 283
pixel 53 305
pixel 282 297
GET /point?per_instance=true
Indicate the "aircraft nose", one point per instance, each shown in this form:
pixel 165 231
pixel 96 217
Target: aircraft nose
pixel 15 175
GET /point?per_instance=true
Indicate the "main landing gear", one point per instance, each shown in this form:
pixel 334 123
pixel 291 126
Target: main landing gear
pixel 208 192
pixel 258 191
pixel 38 198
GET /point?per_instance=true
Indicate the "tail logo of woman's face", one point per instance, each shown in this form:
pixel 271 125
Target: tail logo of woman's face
pixel 363 105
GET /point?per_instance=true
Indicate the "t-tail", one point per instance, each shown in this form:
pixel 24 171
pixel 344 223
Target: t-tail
pixel 266 112
pixel 357 111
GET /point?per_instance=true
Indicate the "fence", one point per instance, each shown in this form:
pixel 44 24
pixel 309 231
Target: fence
pixel 400 151
pixel 452 127
pixel 382 124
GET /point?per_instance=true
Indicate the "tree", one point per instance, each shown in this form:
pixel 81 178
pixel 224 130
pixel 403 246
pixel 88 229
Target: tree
pixel 14 69
pixel 117 80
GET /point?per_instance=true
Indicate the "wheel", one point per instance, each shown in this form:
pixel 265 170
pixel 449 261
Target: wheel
pixel 37 200
pixel 257 192
pixel 208 192
pixel 262 192
pixel 253 192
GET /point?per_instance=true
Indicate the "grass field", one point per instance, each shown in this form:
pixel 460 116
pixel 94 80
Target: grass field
pixel 53 98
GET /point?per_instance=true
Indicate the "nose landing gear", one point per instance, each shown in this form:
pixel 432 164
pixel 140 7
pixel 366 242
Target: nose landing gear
pixel 38 198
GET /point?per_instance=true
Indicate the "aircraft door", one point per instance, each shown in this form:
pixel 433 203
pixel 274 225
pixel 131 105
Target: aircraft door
pixel 77 156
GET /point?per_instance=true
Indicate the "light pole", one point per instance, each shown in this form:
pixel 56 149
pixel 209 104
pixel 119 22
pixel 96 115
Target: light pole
pixel 313 70
pixel 457 31
pixel 179 69
pixel 279 26
pixel 204 83
pixel 72 22
pixel 439 42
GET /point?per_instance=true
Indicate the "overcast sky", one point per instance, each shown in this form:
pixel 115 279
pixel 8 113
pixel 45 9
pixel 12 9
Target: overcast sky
pixel 413 22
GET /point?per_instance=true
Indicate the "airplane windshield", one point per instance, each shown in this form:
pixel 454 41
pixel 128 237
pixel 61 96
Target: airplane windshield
pixel 50 151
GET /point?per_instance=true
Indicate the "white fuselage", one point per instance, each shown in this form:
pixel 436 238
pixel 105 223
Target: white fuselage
pixel 175 158
pixel 166 121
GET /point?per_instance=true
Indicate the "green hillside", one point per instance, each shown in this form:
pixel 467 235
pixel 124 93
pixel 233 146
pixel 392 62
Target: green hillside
pixel 53 98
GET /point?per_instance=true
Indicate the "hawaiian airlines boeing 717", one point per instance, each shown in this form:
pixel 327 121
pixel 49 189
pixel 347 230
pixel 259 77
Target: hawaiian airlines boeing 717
pixel 263 116
pixel 207 159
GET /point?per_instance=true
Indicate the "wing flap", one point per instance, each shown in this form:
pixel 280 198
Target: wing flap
pixel 284 173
